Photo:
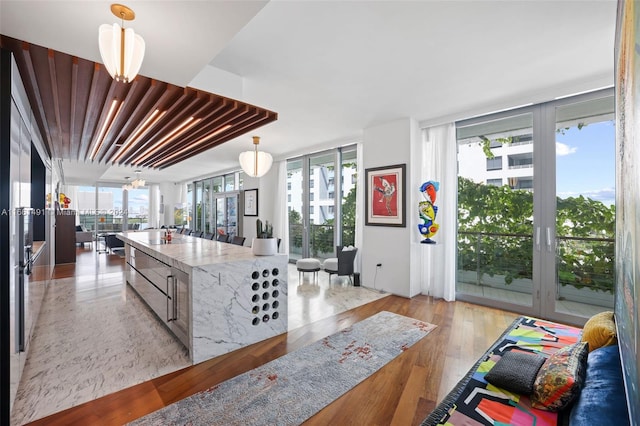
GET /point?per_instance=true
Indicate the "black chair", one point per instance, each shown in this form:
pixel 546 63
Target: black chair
pixel 237 240
pixel 185 231
pixel 113 243
pixel 196 234
pixel 342 264
pixel 223 238
pixel 207 236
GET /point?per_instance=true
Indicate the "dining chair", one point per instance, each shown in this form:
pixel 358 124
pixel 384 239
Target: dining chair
pixel 237 240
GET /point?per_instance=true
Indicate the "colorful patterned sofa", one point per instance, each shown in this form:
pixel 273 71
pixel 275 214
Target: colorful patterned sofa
pixel 542 373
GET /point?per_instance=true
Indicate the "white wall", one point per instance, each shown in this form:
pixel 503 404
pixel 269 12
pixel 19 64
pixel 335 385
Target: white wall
pixel 249 222
pixel 385 145
pixel 170 196
pixel 266 186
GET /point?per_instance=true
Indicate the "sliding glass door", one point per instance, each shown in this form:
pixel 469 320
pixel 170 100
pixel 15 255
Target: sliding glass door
pixel 584 217
pixel 496 210
pixel 536 212
pixel 321 202
pixel 216 205
pixel 226 214
pixel 346 194
pixel 321 192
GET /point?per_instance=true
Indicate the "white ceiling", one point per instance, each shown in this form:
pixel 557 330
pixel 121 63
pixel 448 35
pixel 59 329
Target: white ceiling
pixel 331 69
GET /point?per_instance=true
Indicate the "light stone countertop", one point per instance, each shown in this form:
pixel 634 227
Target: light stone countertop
pixel 232 298
pixel 185 252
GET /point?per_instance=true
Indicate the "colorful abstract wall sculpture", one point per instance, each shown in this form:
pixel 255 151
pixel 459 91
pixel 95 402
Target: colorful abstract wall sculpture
pixel 428 211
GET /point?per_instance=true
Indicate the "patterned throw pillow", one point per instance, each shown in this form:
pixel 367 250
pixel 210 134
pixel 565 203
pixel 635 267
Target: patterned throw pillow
pixel 515 372
pixel 561 377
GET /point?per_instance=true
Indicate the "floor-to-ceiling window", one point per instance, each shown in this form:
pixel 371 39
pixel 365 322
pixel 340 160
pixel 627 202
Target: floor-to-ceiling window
pixel 584 216
pixel 321 202
pixel 101 208
pixel 189 213
pixel 216 205
pixel 198 206
pixel 536 208
pixel 137 212
pixel 495 216
pixel 347 196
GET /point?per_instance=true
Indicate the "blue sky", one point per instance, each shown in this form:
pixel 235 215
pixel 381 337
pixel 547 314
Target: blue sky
pixel 585 162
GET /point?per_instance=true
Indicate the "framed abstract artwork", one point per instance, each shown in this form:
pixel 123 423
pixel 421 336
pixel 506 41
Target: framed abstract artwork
pixel 251 202
pixel 385 192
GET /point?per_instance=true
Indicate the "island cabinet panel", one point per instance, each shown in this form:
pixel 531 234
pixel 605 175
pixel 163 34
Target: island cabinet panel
pixel 180 305
pixel 157 284
pixel 157 301
pixel 240 302
pixel 215 297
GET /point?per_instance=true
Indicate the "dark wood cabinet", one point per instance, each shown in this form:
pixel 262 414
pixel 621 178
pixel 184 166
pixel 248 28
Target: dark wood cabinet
pixel 66 236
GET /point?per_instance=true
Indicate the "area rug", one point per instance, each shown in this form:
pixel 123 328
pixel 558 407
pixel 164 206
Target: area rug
pixel 292 388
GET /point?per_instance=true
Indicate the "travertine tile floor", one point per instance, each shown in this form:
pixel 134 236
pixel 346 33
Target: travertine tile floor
pixel 95 336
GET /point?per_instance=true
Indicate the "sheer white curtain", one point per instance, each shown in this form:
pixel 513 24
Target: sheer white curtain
pixel 281 213
pixel 439 164
pixel 154 206
pixel 182 193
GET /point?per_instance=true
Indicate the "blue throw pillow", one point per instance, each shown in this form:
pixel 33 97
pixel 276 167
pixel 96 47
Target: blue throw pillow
pixel 602 400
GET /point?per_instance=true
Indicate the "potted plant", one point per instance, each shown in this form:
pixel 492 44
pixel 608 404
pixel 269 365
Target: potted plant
pixel 264 244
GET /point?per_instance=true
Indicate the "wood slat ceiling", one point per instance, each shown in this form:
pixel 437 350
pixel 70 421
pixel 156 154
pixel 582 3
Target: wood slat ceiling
pixel 85 115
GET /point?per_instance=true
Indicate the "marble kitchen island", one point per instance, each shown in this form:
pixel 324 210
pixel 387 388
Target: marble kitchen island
pixel 215 297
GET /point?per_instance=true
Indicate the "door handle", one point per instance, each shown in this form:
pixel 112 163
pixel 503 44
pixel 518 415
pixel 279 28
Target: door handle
pixel 549 239
pixel 29 261
pixel 538 238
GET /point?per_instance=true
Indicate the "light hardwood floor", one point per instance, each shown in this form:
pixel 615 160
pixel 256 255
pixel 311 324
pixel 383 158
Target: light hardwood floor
pixel 402 393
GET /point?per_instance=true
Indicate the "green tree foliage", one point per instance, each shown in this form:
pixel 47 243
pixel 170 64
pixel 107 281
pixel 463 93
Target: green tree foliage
pixel 294 217
pixel 178 216
pixel 495 235
pixel 349 218
pixel 586 263
pixel 495 227
pixel 485 143
pixel 321 235
pixel 295 228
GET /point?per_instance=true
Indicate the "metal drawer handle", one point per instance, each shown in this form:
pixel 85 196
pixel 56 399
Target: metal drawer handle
pixel 175 299
pixel 169 316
